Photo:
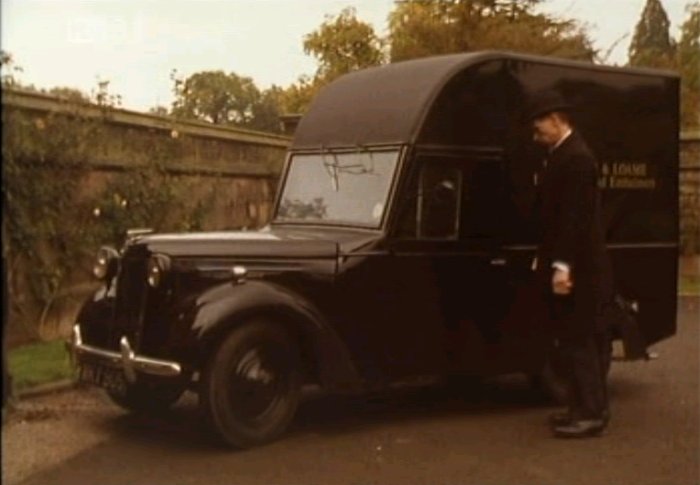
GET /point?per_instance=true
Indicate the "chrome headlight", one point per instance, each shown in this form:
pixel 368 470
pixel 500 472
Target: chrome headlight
pixel 107 264
pixel 158 267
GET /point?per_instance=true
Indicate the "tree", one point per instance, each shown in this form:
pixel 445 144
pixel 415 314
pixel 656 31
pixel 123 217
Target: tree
pixel 688 62
pixel 266 112
pixel 10 79
pixel 429 27
pixel 69 94
pixel 297 96
pixel 9 69
pixel 225 98
pixel 159 110
pixel 343 44
pixel 421 28
pixel 652 45
pixel 216 97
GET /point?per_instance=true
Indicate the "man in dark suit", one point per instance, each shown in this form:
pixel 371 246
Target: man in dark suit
pixel 572 264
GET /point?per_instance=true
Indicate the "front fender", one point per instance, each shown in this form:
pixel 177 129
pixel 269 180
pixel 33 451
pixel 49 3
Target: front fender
pixel 225 306
pixel 94 317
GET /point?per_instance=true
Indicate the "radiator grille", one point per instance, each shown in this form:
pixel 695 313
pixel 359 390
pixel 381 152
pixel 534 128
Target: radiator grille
pixel 132 294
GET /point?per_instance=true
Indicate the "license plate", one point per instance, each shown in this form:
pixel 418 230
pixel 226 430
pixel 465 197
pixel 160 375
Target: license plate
pixel 107 377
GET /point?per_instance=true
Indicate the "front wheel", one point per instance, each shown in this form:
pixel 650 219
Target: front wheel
pixel 251 385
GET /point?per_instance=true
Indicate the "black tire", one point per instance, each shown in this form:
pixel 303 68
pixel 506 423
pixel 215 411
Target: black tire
pixel 250 387
pixel 148 397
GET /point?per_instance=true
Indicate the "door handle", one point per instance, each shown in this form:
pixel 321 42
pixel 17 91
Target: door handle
pixel 498 262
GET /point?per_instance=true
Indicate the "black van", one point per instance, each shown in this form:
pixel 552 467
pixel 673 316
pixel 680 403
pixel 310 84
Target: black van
pixel 401 245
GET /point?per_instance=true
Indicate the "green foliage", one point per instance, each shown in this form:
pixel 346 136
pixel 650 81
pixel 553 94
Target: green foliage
pixel 159 111
pixel 70 94
pixel 225 98
pixel 652 45
pixel 104 98
pixel 140 198
pixel 421 28
pixel 9 70
pixel 267 110
pixel 11 79
pixel 57 209
pixel 688 62
pixel 43 164
pixel 298 96
pixel 343 44
pixel 54 216
pixel 148 197
pixel 39 363
pixel 689 284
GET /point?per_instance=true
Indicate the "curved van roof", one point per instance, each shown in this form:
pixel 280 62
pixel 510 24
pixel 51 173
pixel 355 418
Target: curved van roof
pixel 427 100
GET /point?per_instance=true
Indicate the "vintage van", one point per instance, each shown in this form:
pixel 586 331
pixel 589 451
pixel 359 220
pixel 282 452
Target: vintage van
pixel 400 246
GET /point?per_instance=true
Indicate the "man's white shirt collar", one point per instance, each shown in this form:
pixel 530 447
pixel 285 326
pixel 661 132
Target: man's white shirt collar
pixel 567 134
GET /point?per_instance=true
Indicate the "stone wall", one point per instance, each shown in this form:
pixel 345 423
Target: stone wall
pixel 690 193
pixel 201 154
pixel 234 170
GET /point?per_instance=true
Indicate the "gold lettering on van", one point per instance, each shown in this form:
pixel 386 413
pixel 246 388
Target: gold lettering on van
pixel 626 176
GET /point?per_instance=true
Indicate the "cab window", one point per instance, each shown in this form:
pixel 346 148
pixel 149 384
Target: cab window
pixel 455 198
pixel 432 205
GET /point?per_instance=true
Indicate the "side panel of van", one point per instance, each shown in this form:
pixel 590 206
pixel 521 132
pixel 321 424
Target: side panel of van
pixel 630 121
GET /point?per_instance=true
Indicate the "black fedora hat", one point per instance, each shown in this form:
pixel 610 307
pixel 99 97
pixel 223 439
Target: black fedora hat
pixel 541 103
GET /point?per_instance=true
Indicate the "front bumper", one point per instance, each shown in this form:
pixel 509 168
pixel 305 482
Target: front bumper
pixel 125 360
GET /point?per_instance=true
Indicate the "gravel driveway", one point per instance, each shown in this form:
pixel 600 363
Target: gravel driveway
pixel 42 432
pixel 428 436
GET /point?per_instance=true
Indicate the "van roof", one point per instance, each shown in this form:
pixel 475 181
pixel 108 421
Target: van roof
pixel 389 104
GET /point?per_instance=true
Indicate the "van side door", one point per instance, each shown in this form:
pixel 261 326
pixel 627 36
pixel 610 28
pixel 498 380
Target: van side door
pixel 454 224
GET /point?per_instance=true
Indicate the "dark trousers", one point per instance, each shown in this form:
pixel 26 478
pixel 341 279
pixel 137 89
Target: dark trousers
pixel 586 360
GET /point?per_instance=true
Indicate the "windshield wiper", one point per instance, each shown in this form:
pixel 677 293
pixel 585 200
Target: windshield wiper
pixel 334 168
pixel 331 169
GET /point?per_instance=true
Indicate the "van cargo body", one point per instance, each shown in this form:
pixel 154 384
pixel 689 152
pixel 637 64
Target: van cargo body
pixel 468 108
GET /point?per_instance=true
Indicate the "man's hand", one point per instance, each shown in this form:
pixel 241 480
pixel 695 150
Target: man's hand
pixel 561 282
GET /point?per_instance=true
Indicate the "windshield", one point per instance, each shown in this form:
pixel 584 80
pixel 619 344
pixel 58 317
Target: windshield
pixel 347 188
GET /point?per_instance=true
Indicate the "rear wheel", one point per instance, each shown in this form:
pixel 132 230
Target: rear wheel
pixel 251 385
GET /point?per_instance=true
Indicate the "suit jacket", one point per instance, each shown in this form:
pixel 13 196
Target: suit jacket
pixel 571 232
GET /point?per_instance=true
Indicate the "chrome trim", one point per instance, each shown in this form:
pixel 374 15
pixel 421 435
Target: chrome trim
pixel 136 232
pixel 240 272
pixel 646 245
pixel 125 359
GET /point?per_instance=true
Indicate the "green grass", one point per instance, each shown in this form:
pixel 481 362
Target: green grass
pixel 689 284
pixel 39 363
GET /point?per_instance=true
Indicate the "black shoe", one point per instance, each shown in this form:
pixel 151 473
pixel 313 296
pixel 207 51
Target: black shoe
pixel 583 428
pixel 560 418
